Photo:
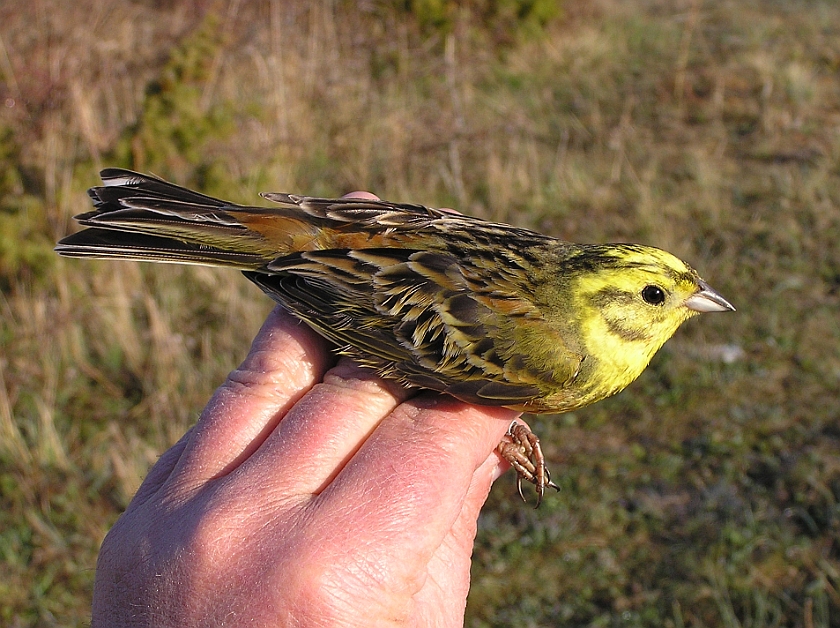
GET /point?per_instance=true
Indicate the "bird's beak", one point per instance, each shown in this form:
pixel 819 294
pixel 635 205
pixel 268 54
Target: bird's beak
pixel 708 300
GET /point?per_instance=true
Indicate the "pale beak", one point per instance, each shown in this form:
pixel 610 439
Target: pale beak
pixel 707 300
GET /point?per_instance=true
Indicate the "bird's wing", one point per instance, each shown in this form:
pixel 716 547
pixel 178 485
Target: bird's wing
pixel 424 317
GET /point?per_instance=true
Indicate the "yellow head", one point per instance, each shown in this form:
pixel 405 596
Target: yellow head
pixel 631 299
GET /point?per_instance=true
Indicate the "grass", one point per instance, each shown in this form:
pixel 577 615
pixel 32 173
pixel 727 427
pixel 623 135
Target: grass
pixel 705 495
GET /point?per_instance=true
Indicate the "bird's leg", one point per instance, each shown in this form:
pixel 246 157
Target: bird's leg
pixel 521 448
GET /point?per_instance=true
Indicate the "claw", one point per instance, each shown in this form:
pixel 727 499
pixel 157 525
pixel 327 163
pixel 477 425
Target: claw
pixel 521 448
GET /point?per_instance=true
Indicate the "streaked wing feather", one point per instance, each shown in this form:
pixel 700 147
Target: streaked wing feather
pixel 307 299
pixel 361 213
pixel 415 316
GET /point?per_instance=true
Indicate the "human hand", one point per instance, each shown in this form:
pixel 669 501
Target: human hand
pixel 305 496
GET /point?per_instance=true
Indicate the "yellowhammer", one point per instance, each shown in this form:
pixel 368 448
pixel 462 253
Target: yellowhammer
pixel 486 312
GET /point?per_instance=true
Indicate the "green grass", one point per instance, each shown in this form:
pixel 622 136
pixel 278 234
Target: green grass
pixel 704 495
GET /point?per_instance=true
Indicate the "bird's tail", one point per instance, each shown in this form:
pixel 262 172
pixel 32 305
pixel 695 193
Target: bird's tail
pixel 138 217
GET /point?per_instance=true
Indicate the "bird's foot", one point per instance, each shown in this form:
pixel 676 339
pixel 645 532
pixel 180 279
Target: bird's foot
pixel 521 448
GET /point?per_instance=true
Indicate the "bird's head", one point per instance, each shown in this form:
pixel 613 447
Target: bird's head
pixel 634 298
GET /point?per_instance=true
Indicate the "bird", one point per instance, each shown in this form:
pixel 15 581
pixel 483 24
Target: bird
pixel 486 312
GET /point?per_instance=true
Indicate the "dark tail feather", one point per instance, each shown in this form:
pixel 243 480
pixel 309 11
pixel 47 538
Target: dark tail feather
pixel 108 243
pixel 121 183
pixel 143 218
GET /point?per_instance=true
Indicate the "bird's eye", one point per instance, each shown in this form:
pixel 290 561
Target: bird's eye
pixel 653 295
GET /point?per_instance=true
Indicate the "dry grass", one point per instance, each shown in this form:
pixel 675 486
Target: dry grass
pixel 706 495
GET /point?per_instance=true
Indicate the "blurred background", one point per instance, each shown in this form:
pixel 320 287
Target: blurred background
pixel 704 495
